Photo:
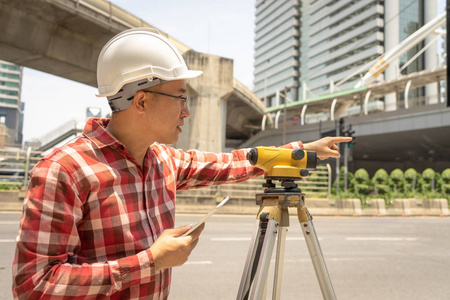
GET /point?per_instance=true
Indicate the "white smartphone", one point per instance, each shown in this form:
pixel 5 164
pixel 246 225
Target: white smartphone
pixel 203 220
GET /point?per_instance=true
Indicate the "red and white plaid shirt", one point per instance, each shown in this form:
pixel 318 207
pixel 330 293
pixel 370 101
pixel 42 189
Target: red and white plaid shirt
pixel 91 213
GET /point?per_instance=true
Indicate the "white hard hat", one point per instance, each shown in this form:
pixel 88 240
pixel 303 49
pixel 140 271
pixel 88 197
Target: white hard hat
pixel 134 60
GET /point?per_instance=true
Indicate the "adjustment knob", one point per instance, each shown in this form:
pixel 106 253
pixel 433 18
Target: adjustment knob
pixel 298 154
pixel 304 172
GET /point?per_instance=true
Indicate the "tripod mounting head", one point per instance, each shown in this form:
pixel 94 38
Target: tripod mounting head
pixel 279 163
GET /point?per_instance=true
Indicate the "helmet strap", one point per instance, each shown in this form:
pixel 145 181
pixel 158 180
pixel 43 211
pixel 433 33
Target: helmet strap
pixel 124 97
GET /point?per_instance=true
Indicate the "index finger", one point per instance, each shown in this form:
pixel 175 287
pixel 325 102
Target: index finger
pixel 340 139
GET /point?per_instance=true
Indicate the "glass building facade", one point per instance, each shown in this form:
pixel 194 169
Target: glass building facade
pixel 10 105
pixel 277 53
pixel 314 47
pixel 411 18
pixel 342 37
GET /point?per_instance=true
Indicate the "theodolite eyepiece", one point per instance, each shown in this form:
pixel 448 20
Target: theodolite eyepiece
pixel 283 163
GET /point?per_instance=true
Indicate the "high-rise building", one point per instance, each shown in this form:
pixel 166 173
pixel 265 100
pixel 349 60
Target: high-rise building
pixel 314 47
pixel 277 53
pixel 10 105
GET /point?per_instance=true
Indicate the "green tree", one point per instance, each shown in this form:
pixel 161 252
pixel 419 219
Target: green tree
pixel 411 178
pixel 396 182
pixel 381 182
pixel 361 183
pixel 445 183
pixel 429 186
pixel 427 181
pixel 350 177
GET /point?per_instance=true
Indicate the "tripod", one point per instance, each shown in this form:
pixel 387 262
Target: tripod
pixel 273 220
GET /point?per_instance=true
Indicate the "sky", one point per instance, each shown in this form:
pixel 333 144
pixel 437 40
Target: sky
pixel 223 28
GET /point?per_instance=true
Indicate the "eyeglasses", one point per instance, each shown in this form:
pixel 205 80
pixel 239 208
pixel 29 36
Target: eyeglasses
pixel 182 98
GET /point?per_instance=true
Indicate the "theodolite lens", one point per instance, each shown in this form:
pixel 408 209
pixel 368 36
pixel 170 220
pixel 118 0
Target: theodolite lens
pixel 252 156
pixel 311 162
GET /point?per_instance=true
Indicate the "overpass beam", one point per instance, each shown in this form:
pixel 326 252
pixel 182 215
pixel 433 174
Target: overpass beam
pixel 333 108
pixel 302 118
pixel 277 118
pixel 408 86
pixel 263 122
pixel 366 102
pixel 438 90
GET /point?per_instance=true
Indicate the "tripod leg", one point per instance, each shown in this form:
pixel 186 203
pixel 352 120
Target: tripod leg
pixel 259 282
pixel 276 292
pixel 281 242
pixel 258 259
pixel 315 252
pixel 244 287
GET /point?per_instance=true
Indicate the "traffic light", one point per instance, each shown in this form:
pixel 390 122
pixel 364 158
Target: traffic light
pixel 350 133
pixel 341 127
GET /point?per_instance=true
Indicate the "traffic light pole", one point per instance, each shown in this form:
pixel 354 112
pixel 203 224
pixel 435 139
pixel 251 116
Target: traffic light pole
pixel 345 166
pixel 337 163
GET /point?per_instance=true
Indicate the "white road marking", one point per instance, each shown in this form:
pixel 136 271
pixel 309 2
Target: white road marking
pixel 205 262
pixel 7 241
pixel 247 239
pixel 10 222
pixel 334 259
pixel 231 239
pixel 381 238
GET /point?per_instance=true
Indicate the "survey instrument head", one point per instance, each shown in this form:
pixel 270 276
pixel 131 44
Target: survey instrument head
pixel 283 163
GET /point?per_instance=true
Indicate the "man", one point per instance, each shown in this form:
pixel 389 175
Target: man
pixel 99 212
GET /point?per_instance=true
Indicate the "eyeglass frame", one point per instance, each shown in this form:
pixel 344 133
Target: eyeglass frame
pixel 183 98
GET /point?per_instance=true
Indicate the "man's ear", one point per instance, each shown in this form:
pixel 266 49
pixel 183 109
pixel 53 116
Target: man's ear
pixel 139 101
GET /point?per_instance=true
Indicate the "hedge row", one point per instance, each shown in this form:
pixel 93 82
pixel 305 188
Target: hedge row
pixel 398 184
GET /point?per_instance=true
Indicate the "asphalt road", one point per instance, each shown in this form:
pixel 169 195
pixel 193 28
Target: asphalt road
pixel 367 258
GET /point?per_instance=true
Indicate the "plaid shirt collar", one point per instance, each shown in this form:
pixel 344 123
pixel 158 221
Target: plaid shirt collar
pixel 95 130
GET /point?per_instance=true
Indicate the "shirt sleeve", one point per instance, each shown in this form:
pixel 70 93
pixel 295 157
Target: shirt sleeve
pixel 48 238
pixel 200 169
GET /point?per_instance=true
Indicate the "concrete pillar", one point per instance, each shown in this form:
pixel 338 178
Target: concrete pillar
pixel 205 129
pixel 431 55
pixel 391 39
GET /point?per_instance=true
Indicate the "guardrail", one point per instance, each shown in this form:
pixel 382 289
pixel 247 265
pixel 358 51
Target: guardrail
pixel 15 166
pixel 242 193
pixel 60 130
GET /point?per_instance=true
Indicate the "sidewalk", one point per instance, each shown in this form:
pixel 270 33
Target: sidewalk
pixel 10 201
pixel 317 207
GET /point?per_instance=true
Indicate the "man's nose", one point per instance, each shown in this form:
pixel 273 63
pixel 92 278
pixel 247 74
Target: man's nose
pixel 185 113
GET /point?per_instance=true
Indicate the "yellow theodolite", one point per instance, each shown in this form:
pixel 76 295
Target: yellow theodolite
pixel 283 163
pixel 286 166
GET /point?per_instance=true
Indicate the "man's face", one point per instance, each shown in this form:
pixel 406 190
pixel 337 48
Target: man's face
pixel 166 113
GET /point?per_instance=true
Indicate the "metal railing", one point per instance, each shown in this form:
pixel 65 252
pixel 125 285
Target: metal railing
pixel 318 183
pixel 61 130
pixel 15 166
